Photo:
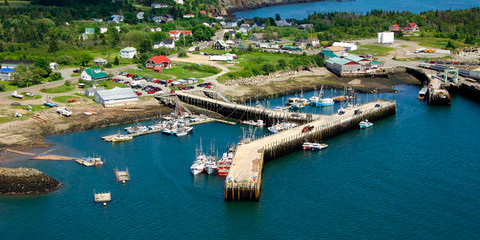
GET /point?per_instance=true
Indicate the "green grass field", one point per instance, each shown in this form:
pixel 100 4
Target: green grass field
pixel 25 97
pixel 63 99
pixel 32 108
pixel 149 73
pixel 179 70
pixel 433 42
pixel 59 89
pixel 111 84
pixel 375 50
pixel 8 86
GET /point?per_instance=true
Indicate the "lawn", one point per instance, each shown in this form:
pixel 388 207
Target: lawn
pixel 111 84
pixel 149 73
pixel 58 89
pixel 210 50
pixel 433 42
pixel 8 86
pixel 32 107
pixel 179 70
pixel 374 50
pixel 63 99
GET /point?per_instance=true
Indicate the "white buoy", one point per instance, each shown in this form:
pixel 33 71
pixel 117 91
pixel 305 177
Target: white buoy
pixel 123 181
pixel 104 204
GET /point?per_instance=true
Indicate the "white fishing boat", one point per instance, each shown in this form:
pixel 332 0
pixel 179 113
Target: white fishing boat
pixel 258 123
pixel 422 93
pixel 281 126
pixel 16 95
pixel 226 161
pixel 198 165
pixel 211 166
pixel 90 161
pixel 318 146
pixel 365 124
pixel 121 138
pixel 307 145
pixel 136 129
pixel 182 131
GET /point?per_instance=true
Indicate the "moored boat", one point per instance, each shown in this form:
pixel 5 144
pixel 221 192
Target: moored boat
pixel 422 93
pixel 307 145
pixel 365 124
pixel 121 138
pixel 90 162
pixel 318 146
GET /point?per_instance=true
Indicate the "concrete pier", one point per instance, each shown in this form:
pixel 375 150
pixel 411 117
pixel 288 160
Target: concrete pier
pixel 245 177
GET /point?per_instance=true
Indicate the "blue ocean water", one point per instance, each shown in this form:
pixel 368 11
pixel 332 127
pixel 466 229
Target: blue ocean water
pixel 415 175
pixel 302 10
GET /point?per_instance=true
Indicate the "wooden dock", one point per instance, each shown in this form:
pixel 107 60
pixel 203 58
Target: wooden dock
pixel 245 177
pixel 122 176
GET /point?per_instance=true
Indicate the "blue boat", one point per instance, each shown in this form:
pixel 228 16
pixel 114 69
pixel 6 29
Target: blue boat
pixel 324 102
pixel 50 104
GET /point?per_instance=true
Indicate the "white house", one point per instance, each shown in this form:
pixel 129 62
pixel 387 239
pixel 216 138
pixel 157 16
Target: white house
pixel 94 74
pixel 386 37
pixel 167 43
pixel 140 15
pixel 178 1
pixel 188 15
pixel 159 5
pixel 103 29
pixel 128 52
pixel 6 74
pixel 53 65
pixel 100 61
pixel 115 97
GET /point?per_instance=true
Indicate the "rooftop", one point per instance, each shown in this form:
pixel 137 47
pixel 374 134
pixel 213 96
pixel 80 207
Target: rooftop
pixel 116 94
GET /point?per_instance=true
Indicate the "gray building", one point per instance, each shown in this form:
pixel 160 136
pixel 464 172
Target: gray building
pixel 115 97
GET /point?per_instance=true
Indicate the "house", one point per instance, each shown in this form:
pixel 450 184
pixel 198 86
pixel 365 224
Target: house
pixel 256 37
pixel 258 26
pixel 157 19
pixel 128 52
pixel 326 55
pixel 93 74
pixel 313 42
pixel 220 45
pixel 411 27
pixel 166 43
pixel 53 65
pixel 159 5
pixel 115 18
pixel 6 74
pixel 98 20
pixel 115 97
pixel 103 29
pixel 342 65
pixel 386 37
pixel 203 12
pixel 337 50
pixel 158 63
pixel 100 61
pixel 90 92
pixel 394 28
pixel 176 34
pixel 245 28
pixel 282 23
pixel 89 30
pixel 231 24
pixel 347 46
pixel 306 26
pixel 140 15
pixel 301 43
pixel 178 1
pixel 206 24
pixel 14 63
pixel 188 15
pixel 231 34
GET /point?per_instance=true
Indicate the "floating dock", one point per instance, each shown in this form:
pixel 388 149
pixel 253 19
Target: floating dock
pixel 122 176
pixel 102 197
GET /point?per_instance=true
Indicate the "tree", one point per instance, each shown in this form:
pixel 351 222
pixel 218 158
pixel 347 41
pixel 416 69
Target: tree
pixel 277 17
pixel 268 68
pixel 53 46
pixel 145 45
pixel 2 87
pixel 282 63
pixel 182 53
pixel 67 83
pixel 116 61
pixel 450 45
pixel 469 40
pixel 43 64
pixel 85 58
pixel 115 37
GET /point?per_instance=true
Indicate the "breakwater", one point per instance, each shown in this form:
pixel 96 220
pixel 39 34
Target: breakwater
pixel 22 181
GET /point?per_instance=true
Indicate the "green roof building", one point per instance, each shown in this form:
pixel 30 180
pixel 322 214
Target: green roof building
pixel 93 74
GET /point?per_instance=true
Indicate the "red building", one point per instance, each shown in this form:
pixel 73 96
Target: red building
pixel 411 27
pixel 158 63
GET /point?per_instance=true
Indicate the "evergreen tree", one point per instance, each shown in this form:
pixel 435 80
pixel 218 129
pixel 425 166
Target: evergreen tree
pixel 53 46
pixel 116 61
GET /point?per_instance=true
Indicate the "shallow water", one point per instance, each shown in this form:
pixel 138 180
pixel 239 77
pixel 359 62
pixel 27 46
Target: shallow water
pixel 412 175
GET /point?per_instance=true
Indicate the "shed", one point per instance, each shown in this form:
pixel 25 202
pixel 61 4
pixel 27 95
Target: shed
pixel 90 92
pixel 114 97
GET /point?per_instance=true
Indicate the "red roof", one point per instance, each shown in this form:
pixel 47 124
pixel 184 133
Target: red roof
pixel 203 12
pixel 178 31
pixel 188 14
pixel 395 27
pixel 351 63
pixel 411 25
pixel 159 59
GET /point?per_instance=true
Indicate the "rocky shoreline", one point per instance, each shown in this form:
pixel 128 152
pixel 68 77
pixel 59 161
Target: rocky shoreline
pixel 26 181
pixel 233 6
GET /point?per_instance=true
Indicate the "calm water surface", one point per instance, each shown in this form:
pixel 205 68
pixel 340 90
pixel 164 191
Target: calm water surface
pixel 302 10
pixel 415 175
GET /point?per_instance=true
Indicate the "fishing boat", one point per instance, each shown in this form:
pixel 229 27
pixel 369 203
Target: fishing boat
pixel 182 131
pixel 307 145
pixel 16 95
pixel 226 161
pixel 258 123
pixel 64 111
pixel 281 126
pixel 297 106
pixel 318 146
pixel 365 124
pixel 136 129
pixel 121 138
pixel 211 166
pixel 324 102
pixel 292 100
pixel 199 164
pixel 422 93
pixel 90 162
pixel 90 113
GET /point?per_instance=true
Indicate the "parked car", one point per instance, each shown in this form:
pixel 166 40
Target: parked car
pixel 76 70
pixel 151 92
pixel 139 93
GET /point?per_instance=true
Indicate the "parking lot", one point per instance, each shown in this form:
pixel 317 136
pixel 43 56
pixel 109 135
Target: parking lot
pixel 144 86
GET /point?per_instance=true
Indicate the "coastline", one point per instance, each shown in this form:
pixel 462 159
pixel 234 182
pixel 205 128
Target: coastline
pixel 232 10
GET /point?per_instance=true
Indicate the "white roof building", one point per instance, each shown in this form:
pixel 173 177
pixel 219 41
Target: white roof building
pixel 115 97
pixel 347 46
pixel 128 52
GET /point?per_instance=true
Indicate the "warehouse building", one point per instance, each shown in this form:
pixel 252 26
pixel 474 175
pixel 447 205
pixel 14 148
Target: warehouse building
pixel 115 97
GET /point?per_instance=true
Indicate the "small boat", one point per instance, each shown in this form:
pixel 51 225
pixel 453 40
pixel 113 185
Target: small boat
pixel 211 166
pixel 297 106
pixel 422 93
pixel 90 162
pixel 64 111
pixel 50 104
pixel 292 100
pixel 341 111
pixel 365 124
pixel 121 138
pixel 90 113
pixel 307 145
pixel 16 95
pixel 199 165
pixel 258 123
pixel 339 98
pixel 182 131
pixel 136 129
pixel 281 126
pixel 324 102
pixel 318 146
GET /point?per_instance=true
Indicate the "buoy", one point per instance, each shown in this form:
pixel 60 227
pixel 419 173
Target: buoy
pixel 123 181
pixel 104 204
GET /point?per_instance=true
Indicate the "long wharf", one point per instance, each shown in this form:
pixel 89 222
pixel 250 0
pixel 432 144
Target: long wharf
pixel 244 179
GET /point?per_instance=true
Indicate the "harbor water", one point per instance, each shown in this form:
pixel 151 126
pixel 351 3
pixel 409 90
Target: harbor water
pixel 415 175
pixel 302 10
